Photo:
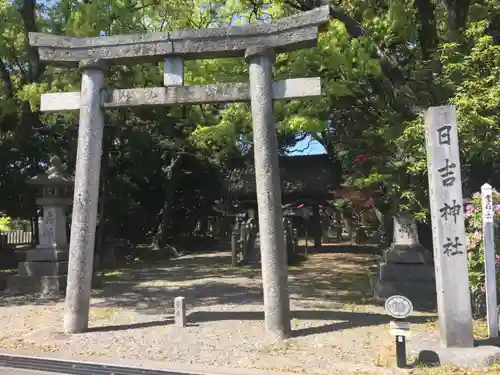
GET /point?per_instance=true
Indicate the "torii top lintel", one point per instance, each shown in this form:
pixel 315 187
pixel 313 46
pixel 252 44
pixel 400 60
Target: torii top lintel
pixel 284 35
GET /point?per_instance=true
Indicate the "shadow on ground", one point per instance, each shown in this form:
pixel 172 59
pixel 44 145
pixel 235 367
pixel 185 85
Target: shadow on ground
pixel 126 327
pixel 31 299
pixel 339 273
pixel 344 319
pixel 209 279
pixel 346 248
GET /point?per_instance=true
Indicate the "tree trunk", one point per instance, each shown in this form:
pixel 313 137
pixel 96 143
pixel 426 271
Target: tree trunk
pixel 458 11
pixel 162 232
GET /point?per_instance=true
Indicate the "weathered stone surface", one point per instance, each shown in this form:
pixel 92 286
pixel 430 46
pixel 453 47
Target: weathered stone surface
pixel 298 31
pixel 478 357
pixel 417 291
pixel 83 223
pixel 48 285
pixel 41 254
pixel 114 53
pixel 426 348
pixel 8 258
pixel 93 63
pixel 406 272
pixel 180 311
pixel 406 249
pixel 448 227
pixel 173 71
pixel 43 268
pixel 163 96
pixel 53 202
pixel 53 227
pixel 270 211
pixel 400 254
pixel 2 281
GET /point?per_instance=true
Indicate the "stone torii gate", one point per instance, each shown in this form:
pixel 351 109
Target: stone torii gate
pixel 258 44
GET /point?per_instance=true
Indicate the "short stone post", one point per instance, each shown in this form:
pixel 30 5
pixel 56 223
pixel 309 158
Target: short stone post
pixel 180 311
pixel 83 224
pixel 252 231
pixel 490 259
pixel 272 244
pixel 448 228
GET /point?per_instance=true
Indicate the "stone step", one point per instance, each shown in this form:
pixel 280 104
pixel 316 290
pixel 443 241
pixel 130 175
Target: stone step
pixel 43 268
pixel 47 255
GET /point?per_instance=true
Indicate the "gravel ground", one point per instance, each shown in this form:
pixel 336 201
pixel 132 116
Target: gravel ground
pixel 335 327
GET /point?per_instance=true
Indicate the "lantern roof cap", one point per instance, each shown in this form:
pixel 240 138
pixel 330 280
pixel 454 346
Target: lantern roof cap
pixel 55 175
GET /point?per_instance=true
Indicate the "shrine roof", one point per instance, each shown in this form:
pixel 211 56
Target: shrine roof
pixel 307 174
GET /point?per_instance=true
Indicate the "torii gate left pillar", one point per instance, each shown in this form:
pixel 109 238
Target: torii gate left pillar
pixel 86 196
pixel 257 43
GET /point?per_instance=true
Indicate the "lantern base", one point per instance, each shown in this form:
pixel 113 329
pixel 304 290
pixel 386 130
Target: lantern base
pixel 45 285
pixel 414 281
pixel 42 268
pixel 48 254
pixel 408 254
pixel 43 272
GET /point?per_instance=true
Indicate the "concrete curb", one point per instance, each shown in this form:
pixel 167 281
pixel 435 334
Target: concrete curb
pixel 344 368
pixel 149 365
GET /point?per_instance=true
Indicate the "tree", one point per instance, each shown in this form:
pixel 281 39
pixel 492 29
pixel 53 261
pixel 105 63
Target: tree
pixel 381 63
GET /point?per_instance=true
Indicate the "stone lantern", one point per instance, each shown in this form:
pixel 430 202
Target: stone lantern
pixel 46 266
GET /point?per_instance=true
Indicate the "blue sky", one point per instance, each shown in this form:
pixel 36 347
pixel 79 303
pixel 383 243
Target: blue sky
pixel 301 148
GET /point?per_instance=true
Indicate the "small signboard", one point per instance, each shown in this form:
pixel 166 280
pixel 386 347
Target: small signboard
pixel 487 200
pixel 399 328
pixel 398 307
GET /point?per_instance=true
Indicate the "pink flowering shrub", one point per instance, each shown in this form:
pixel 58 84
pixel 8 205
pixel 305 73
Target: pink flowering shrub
pixel 475 249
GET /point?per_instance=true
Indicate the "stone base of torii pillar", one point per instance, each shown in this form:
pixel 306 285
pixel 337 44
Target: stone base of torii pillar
pixel 406 267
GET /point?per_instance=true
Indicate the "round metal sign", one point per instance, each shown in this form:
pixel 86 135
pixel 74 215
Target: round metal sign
pixel 398 307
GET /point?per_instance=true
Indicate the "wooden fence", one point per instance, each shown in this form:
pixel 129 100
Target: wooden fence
pixel 16 237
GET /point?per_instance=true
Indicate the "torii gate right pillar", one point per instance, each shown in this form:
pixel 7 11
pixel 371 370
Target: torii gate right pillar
pixel 267 176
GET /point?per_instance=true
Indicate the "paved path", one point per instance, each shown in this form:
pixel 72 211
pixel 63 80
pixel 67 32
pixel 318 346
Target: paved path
pixel 9 371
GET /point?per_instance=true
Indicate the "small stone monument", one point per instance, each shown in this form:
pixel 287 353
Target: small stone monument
pixel 180 311
pixel 46 266
pixel 406 249
pixel 407 267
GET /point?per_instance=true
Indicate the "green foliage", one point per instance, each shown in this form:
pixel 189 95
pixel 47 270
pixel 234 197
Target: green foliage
pixel 475 79
pixel 5 224
pixel 380 68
